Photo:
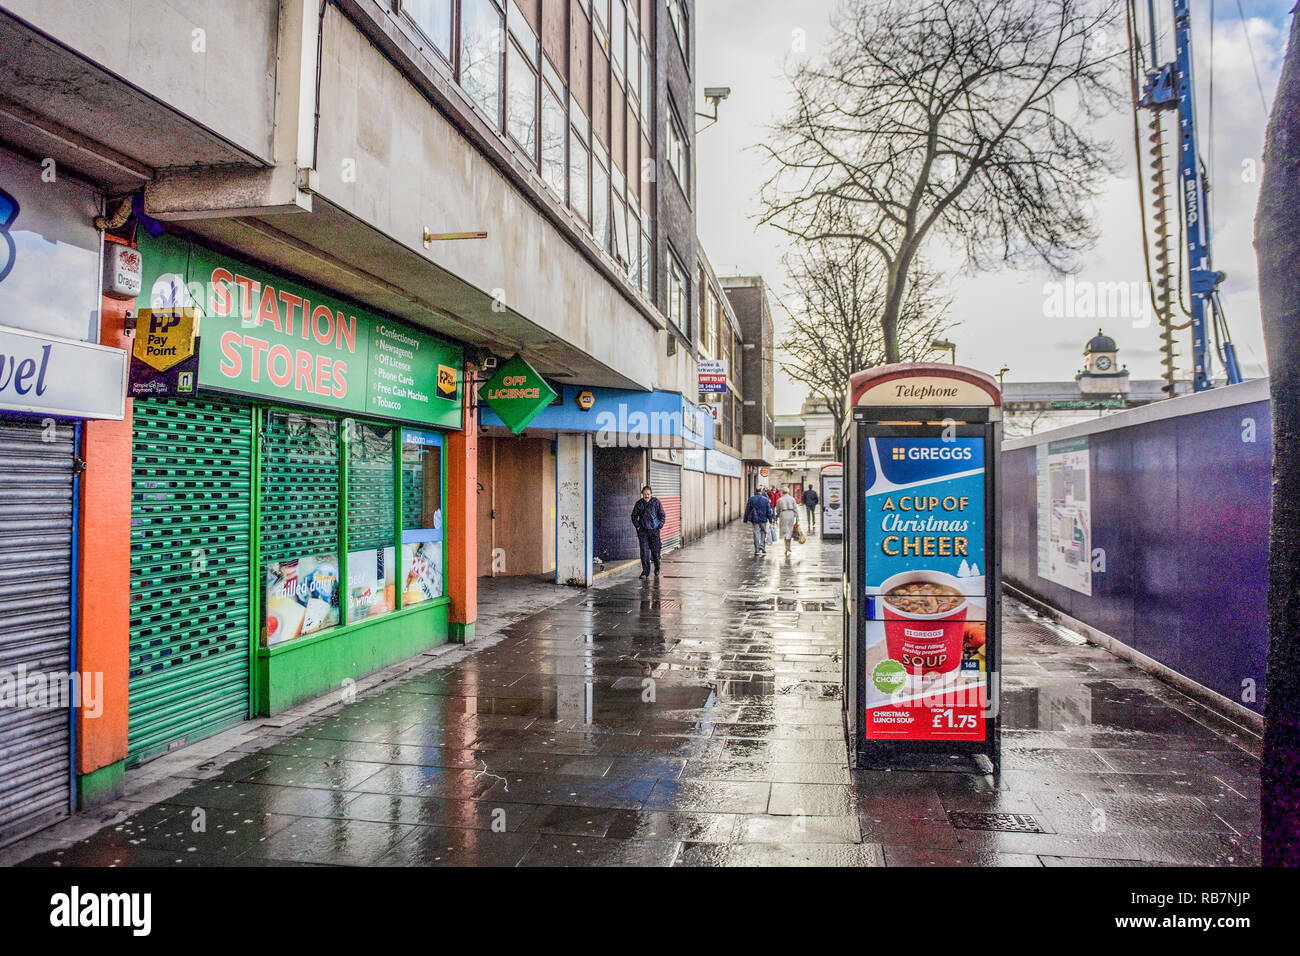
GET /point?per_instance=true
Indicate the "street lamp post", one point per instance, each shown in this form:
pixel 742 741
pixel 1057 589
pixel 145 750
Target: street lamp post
pixel 943 345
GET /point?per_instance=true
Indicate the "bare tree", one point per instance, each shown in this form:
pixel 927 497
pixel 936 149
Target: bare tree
pixel 965 118
pixel 836 311
pixel 1277 243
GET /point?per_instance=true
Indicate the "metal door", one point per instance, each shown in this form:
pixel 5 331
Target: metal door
pixel 191 521
pixel 36 545
pixel 666 482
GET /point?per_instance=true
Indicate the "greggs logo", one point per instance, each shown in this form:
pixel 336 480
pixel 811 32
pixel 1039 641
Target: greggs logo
pixel 510 388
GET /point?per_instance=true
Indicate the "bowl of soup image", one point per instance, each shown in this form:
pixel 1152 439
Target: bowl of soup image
pixel 925 619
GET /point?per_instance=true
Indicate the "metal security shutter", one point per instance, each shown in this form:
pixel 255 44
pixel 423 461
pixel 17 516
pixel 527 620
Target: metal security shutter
pixel 191 515
pixel 666 482
pixel 300 487
pixel 36 468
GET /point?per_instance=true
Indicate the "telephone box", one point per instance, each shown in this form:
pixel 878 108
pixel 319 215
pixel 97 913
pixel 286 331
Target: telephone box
pixel 922 572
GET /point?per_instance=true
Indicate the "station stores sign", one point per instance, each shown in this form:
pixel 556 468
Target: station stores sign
pixel 274 338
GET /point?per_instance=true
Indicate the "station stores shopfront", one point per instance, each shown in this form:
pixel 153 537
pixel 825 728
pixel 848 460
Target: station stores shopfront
pixel 288 531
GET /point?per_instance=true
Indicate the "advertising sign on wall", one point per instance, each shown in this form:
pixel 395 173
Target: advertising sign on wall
pixel 517 393
pixel 50 376
pixel 1065 514
pixel 923 530
pixel 832 504
pixel 275 338
pixel 713 376
pixel 164 357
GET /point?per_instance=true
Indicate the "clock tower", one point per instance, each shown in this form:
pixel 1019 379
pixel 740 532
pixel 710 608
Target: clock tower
pixel 1102 373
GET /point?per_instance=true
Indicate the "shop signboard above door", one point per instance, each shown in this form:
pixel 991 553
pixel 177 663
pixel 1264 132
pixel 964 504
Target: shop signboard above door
pixel 48 376
pixel 517 394
pixel 275 338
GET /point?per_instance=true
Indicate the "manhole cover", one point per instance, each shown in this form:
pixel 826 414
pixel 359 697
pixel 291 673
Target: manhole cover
pixel 1010 822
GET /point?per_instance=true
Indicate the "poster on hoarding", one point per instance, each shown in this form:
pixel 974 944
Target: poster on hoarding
pixel 1065 514
pixel 925 597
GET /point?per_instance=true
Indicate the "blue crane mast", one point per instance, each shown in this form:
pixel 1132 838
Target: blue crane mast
pixel 1168 87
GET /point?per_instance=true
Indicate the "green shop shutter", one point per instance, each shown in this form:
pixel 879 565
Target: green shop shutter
pixel 36 618
pixel 191 514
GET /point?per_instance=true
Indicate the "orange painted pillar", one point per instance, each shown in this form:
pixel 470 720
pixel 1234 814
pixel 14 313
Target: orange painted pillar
pixel 461 509
pixel 104 589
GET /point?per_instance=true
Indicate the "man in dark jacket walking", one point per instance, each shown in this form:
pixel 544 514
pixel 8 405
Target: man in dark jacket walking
pixel 648 518
pixel 758 512
pixel 810 501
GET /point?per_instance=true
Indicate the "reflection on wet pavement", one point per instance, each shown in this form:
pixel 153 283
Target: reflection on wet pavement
pixel 695 720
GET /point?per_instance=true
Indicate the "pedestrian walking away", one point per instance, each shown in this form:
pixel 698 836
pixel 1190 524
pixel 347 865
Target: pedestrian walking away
pixel 648 518
pixel 758 511
pixel 810 501
pixel 787 516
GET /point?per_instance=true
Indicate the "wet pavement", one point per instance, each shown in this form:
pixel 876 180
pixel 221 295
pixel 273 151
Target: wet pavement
pixel 694 720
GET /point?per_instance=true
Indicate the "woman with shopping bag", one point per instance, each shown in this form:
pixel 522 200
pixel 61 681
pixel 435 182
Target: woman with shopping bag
pixel 787 517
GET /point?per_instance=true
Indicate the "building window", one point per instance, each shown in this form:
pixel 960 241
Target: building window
pixel 634 240
pixel 679 159
pixel 647 259
pixel 647 90
pixel 828 446
pixel 433 17
pixel 481 40
pixel 618 36
pixel 521 105
pixel 681 27
pixel 553 127
pixel 678 294
pixel 579 165
pixel 600 219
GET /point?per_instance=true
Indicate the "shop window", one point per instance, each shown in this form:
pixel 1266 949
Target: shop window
pixel 299 529
pixel 372 507
pixel 433 17
pixel 482 33
pixel 422 520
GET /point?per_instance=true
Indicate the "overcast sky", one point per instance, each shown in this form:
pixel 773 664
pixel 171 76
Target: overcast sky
pixel 745 43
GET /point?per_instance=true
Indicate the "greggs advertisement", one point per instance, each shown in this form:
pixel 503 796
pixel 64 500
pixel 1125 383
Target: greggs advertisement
pixel 275 338
pixel 925 601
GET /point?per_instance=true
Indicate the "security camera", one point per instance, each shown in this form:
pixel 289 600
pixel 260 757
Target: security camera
pixel 716 93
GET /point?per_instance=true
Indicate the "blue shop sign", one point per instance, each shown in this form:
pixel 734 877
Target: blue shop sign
pixel 623 418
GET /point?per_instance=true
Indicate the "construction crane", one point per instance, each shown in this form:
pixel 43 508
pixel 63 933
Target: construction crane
pixel 1170 87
